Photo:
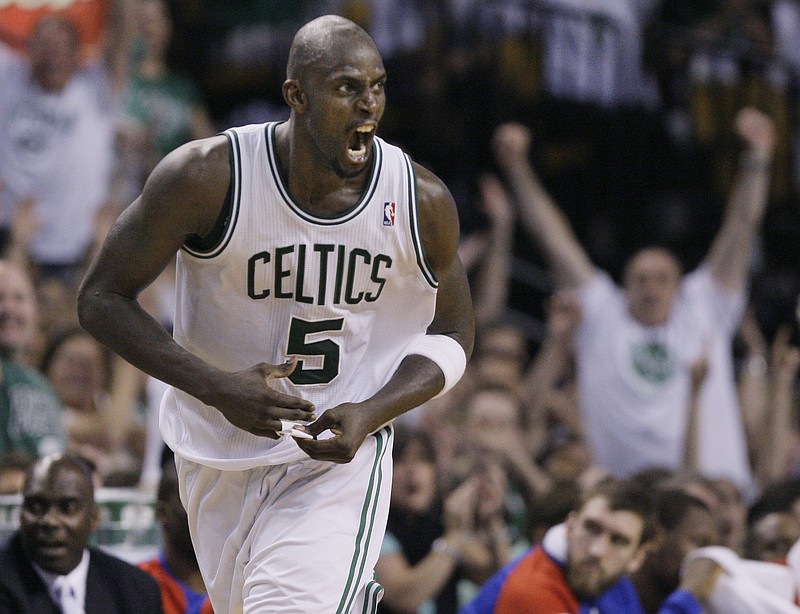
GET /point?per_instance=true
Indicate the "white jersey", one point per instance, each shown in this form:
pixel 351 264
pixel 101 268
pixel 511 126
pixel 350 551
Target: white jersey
pixel 635 380
pixel 346 294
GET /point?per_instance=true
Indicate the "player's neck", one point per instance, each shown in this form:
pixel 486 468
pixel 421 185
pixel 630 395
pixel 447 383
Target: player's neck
pixel 312 182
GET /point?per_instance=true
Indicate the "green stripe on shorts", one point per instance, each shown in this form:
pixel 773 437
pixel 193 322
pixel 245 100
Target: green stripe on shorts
pixel 367 523
pixel 374 593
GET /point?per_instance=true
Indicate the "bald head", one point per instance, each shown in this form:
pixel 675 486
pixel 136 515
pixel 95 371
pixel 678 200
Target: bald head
pixel 45 467
pixel 317 42
pixel 58 513
pixel 335 90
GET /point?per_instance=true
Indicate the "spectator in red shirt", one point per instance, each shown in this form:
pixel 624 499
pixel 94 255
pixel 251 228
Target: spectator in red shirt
pixel 582 563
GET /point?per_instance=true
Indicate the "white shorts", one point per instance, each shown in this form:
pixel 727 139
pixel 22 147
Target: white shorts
pixel 299 538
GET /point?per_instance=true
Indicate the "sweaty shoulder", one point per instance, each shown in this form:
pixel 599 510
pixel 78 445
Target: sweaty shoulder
pixel 192 181
pixel 438 216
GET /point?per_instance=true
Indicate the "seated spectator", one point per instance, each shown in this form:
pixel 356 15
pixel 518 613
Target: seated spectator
pixel 733 513
pixel 100 405
pixel 687 523
pixel 662 541
pixel 30 412
pixel 431 543
pixel 566 458
pixel 495 428
pixel 47 564
pixel 721 497
pixel 783 495
pixel 771 536
pixel 583 564
pixel 772 530
pixel 176 569
pixel 58 311
pixel 694 570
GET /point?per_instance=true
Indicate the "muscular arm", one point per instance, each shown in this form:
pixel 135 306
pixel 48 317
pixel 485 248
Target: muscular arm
pixel 418 378
pixel 540 215
pixel 440 234
pixel 730 253
pixel 183 196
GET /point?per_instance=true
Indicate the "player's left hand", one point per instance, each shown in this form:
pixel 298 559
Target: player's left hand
pixel 349 430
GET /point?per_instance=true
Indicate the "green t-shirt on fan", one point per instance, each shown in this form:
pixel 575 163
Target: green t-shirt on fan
pixel 31 415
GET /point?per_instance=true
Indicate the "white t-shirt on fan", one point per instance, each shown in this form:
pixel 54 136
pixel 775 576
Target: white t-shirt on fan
pixel 635 380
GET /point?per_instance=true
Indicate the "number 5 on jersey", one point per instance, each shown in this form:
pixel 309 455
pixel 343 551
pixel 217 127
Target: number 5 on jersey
pixel 300 346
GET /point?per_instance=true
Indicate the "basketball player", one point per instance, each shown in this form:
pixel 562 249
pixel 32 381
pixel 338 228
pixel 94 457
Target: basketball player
pixel 317 285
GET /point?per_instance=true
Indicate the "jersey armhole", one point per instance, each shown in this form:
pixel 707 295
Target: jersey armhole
pixel 214 242
pixel 413 216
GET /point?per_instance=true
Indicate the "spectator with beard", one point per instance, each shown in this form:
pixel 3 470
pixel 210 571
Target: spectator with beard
pixel 583 562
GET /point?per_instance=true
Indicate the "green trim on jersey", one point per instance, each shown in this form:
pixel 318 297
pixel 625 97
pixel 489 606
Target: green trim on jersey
pixel 232 207
pixel 374 592
pixel 383 438
pixel 324 220
pixel 413 216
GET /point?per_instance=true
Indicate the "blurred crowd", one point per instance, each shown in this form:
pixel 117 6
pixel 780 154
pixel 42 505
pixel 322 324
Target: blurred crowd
pixel 600 153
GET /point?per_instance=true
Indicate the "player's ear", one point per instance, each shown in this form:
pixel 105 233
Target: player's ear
pixel 294 95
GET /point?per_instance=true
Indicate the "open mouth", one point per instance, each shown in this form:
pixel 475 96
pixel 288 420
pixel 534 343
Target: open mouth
pixel 357 146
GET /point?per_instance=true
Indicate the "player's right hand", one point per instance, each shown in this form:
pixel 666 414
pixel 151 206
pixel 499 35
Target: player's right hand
pixel 247 400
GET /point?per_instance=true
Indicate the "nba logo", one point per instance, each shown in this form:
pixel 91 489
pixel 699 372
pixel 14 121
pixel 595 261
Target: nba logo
pixel 388 214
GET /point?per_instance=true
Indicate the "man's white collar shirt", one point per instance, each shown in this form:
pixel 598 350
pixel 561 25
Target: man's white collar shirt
pixel 76 579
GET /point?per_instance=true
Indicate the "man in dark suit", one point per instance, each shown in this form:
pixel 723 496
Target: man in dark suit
pixel 47 567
